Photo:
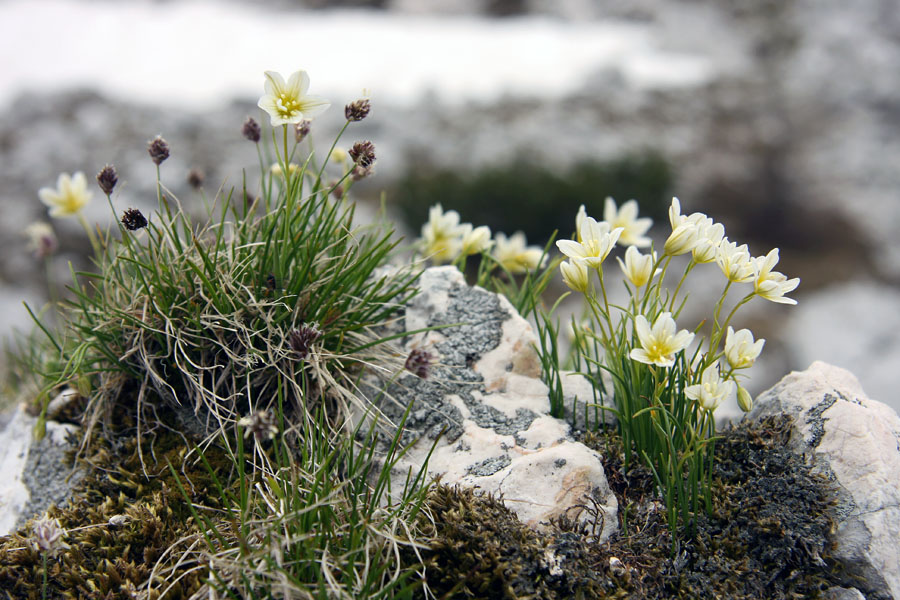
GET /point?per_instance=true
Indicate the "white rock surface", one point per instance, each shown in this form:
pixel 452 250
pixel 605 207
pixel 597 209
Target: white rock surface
pixel 15 439
pixel 485 394
pixel 855 442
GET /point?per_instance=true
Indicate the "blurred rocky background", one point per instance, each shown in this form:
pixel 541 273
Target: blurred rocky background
pixel 780 118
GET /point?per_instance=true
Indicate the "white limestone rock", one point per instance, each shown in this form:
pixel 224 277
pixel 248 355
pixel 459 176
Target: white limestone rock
pixel 485 400
pixel 855 442
pixel 15 440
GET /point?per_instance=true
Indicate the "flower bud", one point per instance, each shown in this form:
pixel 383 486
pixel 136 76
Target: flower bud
pixel 575 274
pixel 745 401
pixel 133 219
pixel 301 130
pixel 357 110
pixel 682 240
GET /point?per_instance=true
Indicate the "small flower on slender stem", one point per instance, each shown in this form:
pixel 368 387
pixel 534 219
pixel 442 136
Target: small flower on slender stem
pixel 597 241
pixel 682 240
pixel 709 236
pixel 107 179
pixel 515 255
pixel 735 261
pixel 301 130
pixel 158 148
pixel 740 349
pixel 661 343
pixel 287 101
pixel 133 219
pixel 251 130
pixel 419 362
pixel 47 536
pixel 770 284
pixel 575 274
pixel 70 196
pixel 442 235
pixel 638 268
pixel 475 241
pixel 302 339
pixel 633 229
pixel 261 424
pixel 357 110
pixel 363 153
pixel 711 390
pixel 41 239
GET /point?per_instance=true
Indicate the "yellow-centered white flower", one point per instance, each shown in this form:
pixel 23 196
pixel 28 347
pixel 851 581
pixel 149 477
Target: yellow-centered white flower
pixel 735 261
pixel 442 235
pixel 626 217
pixel 660 344
pixel 709 237
pixel 597 241
pixel 638 268
pixel 682 239
pixel 514 255
pixel 70 196
pixel 475 241
pixel 711 390
pixel 741 350
pixel 770 284
pixel 287 101
pixel 575 274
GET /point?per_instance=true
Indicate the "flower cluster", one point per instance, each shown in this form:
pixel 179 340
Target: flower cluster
pixel 444 239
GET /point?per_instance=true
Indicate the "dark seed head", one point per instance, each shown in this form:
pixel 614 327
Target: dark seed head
pixel 357 110
pixel 363 153
pixel 107 179
pixel 195 178
pixel 158 149
pixel 302 339
pixel 419 362
pixel 251 130
pixel 301 130
pixel 133 219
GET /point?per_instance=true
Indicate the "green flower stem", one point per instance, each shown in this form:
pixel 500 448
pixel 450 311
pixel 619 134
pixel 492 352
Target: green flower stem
pixel 95 245
pixel 330 150
pixel 690 267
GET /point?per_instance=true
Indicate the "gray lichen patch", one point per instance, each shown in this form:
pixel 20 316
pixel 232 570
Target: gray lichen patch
pixel 489 466
pixel 816 421
pixel 49 472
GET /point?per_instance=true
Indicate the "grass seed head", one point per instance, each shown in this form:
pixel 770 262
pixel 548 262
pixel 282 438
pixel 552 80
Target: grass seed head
pixel 158 148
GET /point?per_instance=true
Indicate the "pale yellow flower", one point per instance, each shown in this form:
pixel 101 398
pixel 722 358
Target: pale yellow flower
pixel 711 390
pixel 475 241
pixel 660 344
pixel 709 237
pixel 575 274
pixel 770 284
pixel 676 218
pixel 740 349
pixel 638 268
pixel 70 196
pixel 442 235
pixel 744 399
pixel 514 255
pixel 579 221
pixel 41 239
pixel 277 171
pixel 682 239
pixel 338 155
pixel 735 261
pixel 597 241
pixel 288 102
pixel 633 229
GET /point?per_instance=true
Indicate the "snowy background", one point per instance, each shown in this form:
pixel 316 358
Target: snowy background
pixel 782 118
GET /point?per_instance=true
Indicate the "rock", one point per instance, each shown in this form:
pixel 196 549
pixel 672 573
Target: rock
pixel 855 442
pixel 487 412
pixel 840 593
pixel 15 439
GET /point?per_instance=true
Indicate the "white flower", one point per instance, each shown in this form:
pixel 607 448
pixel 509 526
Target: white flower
pixel 442 235
pixel 575 274
pixel 277 171
pixel 709 237
pixel 660 344
pixel 638 268
pixel 740 349
pixel 69 197
pixel 513 254
pixel 735 261
pixel 475 241
pixel 676 218
pixel 596 242
pixel 770 284
pixel 47 536
pixel 579 221
pixel 711 390
pixel 626 218
pixel 288 102
pixel 41 239
pixel 682 239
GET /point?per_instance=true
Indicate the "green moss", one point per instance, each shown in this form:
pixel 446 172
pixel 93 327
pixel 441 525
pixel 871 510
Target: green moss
pixel 107 561
pixel 767 538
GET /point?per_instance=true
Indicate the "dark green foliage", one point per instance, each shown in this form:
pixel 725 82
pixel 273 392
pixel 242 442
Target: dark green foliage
pixel 531 198
pixel 767 538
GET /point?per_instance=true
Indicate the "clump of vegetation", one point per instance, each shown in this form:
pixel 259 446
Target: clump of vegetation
pixel 767 536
